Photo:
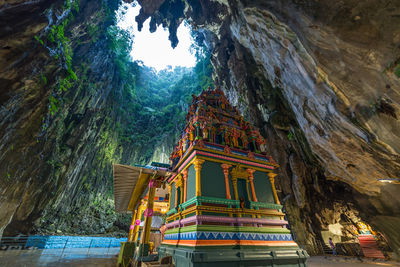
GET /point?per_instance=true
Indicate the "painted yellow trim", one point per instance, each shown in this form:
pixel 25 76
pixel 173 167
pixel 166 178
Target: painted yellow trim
pixel 185 178
pixel 186 168
pixel 132 229
pixel 140 187
pixel 232 163
pixel 235 190
pixel 225 154
pixel 229 211
pixel 141 208
pixel 197 168
pixel 247 190
pixel 169 191
pixel 271 176
pixel 147 219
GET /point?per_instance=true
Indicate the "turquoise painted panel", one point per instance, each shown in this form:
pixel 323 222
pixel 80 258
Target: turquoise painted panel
pixel 191 183
pixel 263 187
pixel 212 180
pixel 172 196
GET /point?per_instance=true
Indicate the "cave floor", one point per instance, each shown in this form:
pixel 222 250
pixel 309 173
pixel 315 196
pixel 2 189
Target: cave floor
pixel 99 257
pixel 26 258
pixel 330 261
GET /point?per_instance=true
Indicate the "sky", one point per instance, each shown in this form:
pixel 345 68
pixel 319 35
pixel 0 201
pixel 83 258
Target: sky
pixel 154 49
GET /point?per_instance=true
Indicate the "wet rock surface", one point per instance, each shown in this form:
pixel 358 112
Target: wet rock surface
pixel 57 144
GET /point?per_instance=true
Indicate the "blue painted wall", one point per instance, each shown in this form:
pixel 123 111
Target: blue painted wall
pixel 46 242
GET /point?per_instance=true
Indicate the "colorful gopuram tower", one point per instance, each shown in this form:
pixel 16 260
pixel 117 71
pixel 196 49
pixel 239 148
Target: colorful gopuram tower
pixel 224 209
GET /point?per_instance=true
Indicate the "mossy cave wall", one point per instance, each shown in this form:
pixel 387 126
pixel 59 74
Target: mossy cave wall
pixel 60 96
pixel 320 79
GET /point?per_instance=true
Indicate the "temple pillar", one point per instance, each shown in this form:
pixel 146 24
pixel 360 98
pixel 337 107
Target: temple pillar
pixel 225 168
pixel 132 227
pixel 148 214
pixel 185 177
pixel 176 195
pixel 271 176
pixel 138 221
pixel 251 179
pixel 235 191
pixel 247 189
pixel 197 168
pixel 169 196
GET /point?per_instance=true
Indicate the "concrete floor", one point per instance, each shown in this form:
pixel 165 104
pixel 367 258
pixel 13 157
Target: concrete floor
pixel 330 261
pixel 99 258
pixel 96 257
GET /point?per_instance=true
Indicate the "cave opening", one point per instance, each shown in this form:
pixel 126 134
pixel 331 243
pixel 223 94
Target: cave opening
pixel 159 80
pixel 150 45
pixel 96 103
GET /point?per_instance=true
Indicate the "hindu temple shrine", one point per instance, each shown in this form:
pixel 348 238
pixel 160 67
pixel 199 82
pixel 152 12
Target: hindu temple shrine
pixel 223 208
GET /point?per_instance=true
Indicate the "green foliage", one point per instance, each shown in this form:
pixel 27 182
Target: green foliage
pixel 75 5
pixel 53 103
pixel 120 43
pixel 149 105
pixel 290 136
pixel 38 39
pixel 93 30
pixel 71 4
pixel 64 51
pixel 109 146
pixel 56 35
pixel 158 104
pixel 43 78
pixel 397 70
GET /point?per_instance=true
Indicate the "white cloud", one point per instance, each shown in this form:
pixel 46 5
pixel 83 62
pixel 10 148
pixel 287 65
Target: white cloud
pixel 154 49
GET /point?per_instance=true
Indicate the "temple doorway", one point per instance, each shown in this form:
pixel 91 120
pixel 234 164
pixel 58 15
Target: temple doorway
pixel 243 192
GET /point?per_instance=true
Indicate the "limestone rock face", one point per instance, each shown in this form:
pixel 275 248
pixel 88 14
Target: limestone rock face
pixel 319 78
pixel 57 145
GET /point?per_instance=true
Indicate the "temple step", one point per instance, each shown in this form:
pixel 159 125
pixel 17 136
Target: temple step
pixel 370 247
pixel 324 247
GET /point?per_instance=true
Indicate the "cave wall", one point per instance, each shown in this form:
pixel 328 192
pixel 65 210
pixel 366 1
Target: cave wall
pixel 58 134
pixel 319 78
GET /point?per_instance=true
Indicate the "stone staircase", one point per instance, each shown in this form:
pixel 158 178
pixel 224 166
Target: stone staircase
pixel 324 247
pixel 370 247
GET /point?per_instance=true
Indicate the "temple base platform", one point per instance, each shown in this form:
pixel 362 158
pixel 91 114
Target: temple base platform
pixel 234 256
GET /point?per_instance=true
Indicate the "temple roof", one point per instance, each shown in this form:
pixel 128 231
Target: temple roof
pixel 212 119
pixel 131 183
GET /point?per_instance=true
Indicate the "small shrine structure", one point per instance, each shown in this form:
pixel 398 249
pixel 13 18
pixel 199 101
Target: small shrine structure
pixel 140 190
pixel 224 209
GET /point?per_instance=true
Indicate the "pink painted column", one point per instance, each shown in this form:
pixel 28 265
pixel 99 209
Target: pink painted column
pixel 251 178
